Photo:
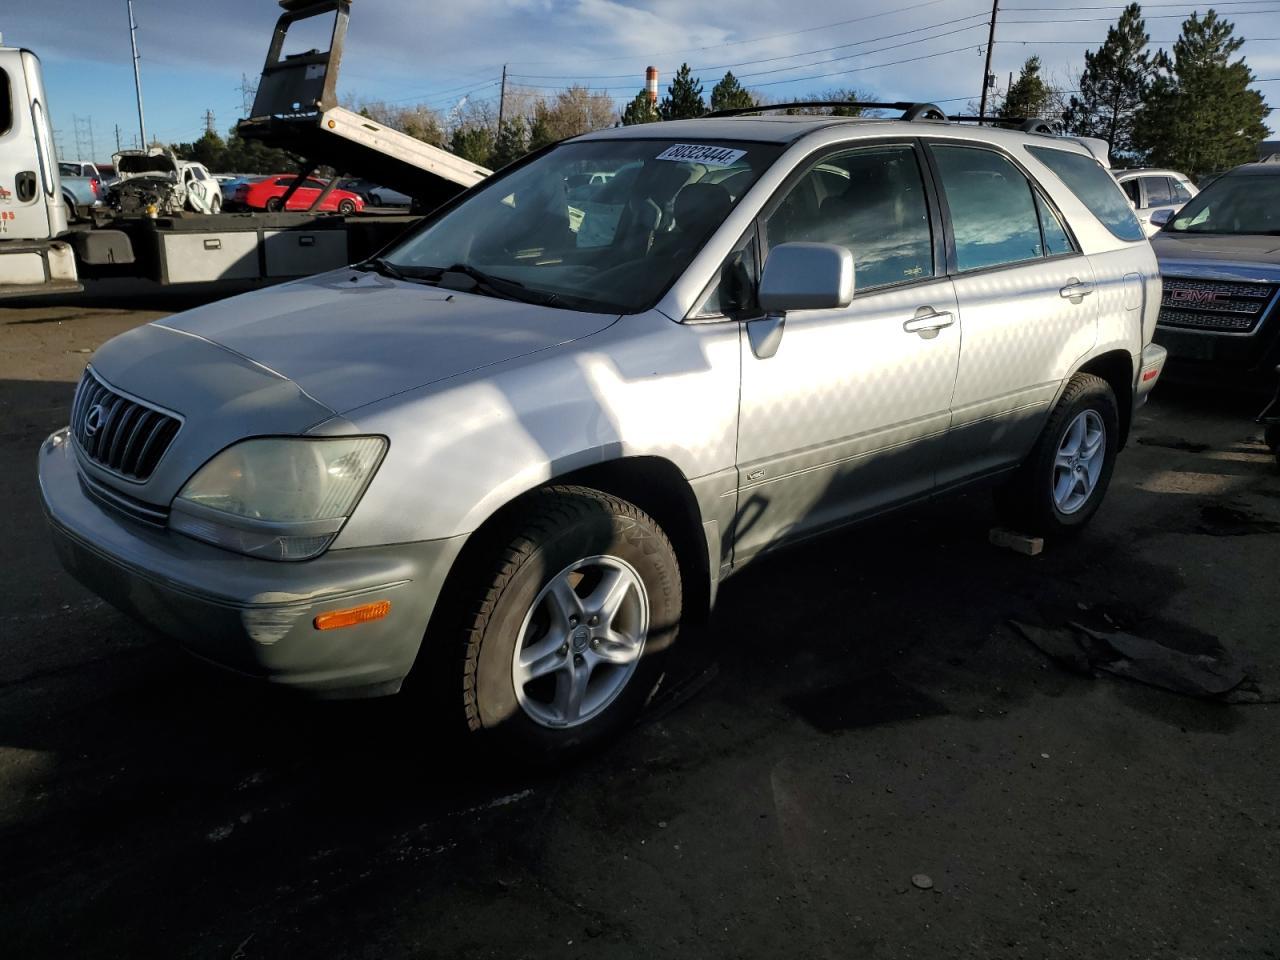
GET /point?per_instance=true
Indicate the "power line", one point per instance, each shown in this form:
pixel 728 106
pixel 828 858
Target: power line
pixel 789 56
pixel 1121 6
pixel 732 43
pixel 1161 16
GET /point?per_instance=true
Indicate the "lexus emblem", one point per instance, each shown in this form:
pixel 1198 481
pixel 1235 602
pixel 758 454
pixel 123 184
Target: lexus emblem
pixel 93 420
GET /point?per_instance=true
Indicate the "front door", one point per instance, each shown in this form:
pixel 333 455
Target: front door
pixel 30 191
pixel 849 416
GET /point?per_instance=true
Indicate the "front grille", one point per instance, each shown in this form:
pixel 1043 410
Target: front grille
pixel 1213 305
pixel 117 432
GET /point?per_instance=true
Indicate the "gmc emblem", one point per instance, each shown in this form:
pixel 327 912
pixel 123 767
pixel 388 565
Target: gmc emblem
pixel 1194 296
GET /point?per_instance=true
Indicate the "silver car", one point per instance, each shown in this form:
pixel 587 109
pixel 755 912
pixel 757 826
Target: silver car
pixel 513 453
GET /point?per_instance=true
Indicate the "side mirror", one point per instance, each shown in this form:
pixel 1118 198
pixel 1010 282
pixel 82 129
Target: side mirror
pixel 799 276
pixel 1161 217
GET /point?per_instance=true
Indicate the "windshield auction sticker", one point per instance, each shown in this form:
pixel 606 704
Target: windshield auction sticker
pixel 705 153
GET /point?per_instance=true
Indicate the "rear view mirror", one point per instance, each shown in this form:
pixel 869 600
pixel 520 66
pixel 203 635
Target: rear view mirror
pixel 1161 217
pixel 806 276
pixel 799 276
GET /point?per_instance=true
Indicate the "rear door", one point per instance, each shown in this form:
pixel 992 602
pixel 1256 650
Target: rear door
pixel 1026 301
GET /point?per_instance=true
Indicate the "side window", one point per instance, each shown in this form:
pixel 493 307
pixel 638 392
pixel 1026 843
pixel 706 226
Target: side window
pixel 1180 193
pixel 993 209
pixel 6 103
pixel 1096 189
pixel 1157 191
pixel 1133 191
pixel 68 170
pixel 198 173
pixel 314 185
pixel 733 293
pixel 1056 239
pixel 870 200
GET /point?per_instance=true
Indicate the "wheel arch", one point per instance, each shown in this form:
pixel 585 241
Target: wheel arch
pixel 1116 368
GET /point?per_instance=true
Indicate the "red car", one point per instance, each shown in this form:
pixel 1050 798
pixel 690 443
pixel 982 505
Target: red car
pixel 268 194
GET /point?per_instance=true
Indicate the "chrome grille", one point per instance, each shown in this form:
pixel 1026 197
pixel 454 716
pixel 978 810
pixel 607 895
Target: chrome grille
pixel 117 432
pixel 1214 305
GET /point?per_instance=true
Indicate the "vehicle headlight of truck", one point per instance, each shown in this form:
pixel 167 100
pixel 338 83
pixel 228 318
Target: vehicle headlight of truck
pixel 278 498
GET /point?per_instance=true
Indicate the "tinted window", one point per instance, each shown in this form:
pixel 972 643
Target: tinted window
pixel 6 103
pixel 871 201
pixel 69 169
pixel 1096 189
pixel 1132 190
pixel 199 173
pixel 1056 238
pixel 993 210
pixel 1180 193
pixel 1157 191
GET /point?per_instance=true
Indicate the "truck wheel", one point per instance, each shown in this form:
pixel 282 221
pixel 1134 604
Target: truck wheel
pixel 1272 436
pixel 374 200
pixel 1061 485
pixel 568 627
pixel 274 204
pixel 347 207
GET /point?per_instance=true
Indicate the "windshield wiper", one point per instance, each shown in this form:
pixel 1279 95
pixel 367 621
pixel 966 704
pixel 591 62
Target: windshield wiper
pixel 497 286
pixel 386 268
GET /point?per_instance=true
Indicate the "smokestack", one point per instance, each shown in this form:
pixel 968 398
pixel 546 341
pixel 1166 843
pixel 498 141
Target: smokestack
pixel 651 83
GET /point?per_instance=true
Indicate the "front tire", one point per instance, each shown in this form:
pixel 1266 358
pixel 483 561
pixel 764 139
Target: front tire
pixel 347 207
pixel 569 625
pixel 274 204
pixel 1060 486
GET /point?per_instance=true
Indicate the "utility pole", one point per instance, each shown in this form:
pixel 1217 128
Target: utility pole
pixel 986 68
pixel 247 92
pixel 117 138
pixel 502 99
pixel 137 74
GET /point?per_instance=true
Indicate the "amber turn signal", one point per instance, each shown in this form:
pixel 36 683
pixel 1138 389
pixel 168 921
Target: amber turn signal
pixel 349 618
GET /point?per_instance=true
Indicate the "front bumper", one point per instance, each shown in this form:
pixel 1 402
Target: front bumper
pixel 249 615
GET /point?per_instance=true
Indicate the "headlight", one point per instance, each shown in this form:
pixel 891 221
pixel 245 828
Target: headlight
pixel 280 498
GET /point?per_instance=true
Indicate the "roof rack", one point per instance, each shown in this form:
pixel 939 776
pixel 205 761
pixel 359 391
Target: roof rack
pixel 910 111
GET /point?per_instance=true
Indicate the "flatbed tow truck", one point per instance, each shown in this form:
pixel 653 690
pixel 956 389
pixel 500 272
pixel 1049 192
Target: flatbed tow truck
pixel 295 109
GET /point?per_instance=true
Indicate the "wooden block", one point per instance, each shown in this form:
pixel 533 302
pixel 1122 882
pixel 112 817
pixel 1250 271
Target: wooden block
pixel 1018 542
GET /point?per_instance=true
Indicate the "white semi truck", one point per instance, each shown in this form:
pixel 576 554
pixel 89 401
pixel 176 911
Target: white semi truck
pixel 295 109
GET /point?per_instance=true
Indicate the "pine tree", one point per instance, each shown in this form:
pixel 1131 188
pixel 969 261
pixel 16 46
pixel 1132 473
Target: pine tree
pixel 511 144
pixel 472 143
pixel 1113 85
pixel 1028 96
pixel 639 110
pixel 1199 115
pixel 729 94
pixel 684 97
pixel 540 132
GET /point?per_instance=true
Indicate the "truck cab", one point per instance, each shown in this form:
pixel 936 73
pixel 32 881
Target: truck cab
pixel 33 214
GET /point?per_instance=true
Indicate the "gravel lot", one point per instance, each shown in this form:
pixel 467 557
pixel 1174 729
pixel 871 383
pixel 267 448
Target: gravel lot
pixel 861 712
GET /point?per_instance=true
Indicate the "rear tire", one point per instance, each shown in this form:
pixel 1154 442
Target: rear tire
pixel 274 204
pixel 569 623
pixel 374 200
pixel 347 207
pixel 1060 486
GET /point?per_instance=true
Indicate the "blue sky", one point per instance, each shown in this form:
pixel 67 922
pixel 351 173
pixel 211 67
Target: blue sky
pixel 194 54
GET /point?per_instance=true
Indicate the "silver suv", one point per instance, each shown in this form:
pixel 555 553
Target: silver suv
pixel 522 446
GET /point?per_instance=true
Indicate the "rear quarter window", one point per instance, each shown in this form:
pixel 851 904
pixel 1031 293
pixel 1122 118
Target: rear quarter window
pixel 1096 188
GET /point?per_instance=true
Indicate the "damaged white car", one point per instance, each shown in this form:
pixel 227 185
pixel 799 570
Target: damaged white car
pixel 157 181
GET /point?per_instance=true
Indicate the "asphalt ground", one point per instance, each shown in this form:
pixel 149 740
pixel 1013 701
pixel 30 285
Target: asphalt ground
pixel 860 712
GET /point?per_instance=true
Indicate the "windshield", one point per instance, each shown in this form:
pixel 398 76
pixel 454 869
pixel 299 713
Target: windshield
pixel 1239 204
pixel 604 225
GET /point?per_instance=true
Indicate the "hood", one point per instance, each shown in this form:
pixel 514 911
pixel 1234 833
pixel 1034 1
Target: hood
pixel 154 162
pixel 348 338
pixel 1220 256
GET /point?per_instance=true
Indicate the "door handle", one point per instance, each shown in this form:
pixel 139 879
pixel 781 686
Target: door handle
pixel 928 321
pixel 1076 290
